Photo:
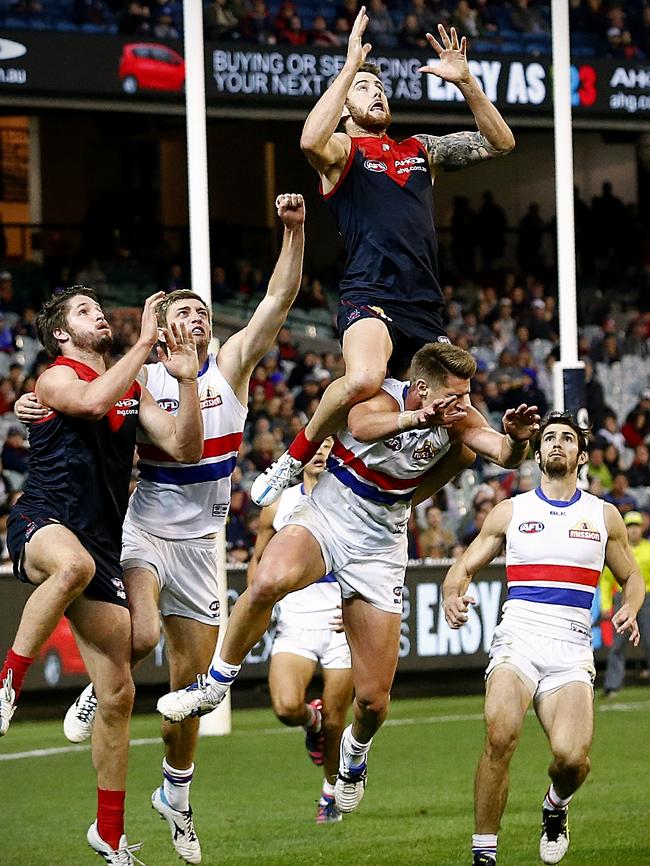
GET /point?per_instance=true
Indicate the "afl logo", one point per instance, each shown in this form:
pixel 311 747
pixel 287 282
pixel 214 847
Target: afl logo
pixel 375 165
pixel 531 527
pixel 168 405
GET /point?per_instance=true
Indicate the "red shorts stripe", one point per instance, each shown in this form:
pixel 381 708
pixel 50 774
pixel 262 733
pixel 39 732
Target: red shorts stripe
pixel 558 573
pixel 216 447
pixel 381 479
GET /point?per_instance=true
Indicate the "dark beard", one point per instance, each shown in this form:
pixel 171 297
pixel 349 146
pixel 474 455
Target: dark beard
pixel 94 342
pixel 560 469
pixel 369 124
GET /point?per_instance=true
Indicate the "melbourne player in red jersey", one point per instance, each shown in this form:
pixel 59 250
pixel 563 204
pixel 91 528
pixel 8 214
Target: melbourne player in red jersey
pixel 64 536
pixel 380 192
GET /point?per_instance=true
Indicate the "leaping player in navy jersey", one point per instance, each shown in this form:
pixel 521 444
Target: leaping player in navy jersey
pixel 380 192
pixel 556 538
pixel 64 535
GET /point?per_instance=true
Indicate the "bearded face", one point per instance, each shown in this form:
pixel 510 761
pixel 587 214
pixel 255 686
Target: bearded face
pixel 373 119
pixel 92 341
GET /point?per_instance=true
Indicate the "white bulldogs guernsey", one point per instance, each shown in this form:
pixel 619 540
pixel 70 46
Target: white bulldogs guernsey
pixel 175 500
pixel 314 606
pixel 555 553
pixel 368 487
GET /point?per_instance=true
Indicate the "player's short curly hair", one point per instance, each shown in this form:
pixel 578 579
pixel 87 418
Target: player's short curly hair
pixel 54 313
pixel 171 298
pixel 435 361
pixel 569 420
pixel 372 68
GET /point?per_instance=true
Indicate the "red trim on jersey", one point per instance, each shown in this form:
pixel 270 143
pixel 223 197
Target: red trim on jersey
pixel 216 447
pixel 381 479
pixel 552 573
pixel 346 169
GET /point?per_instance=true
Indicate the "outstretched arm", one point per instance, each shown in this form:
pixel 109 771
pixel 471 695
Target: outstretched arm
pixel 507 450
pixel 463 149
pixel 240 354
pixel 623 566
pixel 326 149
pixel 481 551
pixel 61 390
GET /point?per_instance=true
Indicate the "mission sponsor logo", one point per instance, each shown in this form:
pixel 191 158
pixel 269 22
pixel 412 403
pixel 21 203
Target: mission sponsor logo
pixel 531 527
pixel 210 402
pixel 426 451
pixel 375 165
pixel 584 531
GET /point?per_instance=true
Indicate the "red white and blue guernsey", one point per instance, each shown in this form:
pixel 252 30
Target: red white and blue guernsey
pixel 366 492
pixel 314 606
pixel 175 500
pixel 555 553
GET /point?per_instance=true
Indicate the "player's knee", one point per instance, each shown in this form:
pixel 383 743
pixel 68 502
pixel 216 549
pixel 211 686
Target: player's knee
pixel 289 712
pixel 269 585
pixel 373 703
pixel 362 386
pixel 501 741
pixel 144 640
pixel 572 761
pixel 74 576
pixel 115 699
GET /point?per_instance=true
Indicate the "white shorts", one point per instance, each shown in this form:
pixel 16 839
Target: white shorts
pixel 376 575
pixel 322 645
pixel 186 570
pixel 547 663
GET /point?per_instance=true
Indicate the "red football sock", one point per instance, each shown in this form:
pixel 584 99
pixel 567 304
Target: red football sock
pixel 19 665
pixel 110 816
pixel 303 449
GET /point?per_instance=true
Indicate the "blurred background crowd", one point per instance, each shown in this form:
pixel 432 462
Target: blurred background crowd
pixel 600 27
pixel 500 306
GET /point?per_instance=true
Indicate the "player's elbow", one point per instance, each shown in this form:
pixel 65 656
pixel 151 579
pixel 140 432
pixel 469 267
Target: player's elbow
pixel 93 410
pixel 508 143
pixel 190 452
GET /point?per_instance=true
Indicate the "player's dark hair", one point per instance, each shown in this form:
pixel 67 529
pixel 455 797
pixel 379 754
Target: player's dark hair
pixel 171 298
pixel 568 420
pixel 372 68
pixel 54 314
pixel 435 361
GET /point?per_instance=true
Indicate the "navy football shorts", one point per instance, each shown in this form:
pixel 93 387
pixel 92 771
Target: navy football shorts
pixel 410 326
pixel 106 584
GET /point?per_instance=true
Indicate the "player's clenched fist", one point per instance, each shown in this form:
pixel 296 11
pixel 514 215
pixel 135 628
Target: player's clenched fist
pixel 291 209
pixel 456 608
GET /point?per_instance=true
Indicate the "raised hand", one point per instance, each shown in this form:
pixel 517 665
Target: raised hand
pixel 291 209
pixel 456 609
pixel 453 64
pixel 357 49
pixel 149 323
pixel 521 423
pixel 180 359
pixel 444 412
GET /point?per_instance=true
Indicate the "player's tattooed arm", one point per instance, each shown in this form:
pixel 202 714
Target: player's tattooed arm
pixel 458 150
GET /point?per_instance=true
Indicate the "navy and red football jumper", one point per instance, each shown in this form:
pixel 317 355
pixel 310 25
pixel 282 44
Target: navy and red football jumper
pixel 79 475
pixel 383 205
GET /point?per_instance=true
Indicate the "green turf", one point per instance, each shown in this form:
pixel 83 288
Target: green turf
pixel 254 794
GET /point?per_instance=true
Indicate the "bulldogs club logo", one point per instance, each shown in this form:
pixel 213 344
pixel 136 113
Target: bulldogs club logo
pixel 426 451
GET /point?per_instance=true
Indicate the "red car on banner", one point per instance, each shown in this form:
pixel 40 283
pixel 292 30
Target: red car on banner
pixel 149 66
pixel 60 655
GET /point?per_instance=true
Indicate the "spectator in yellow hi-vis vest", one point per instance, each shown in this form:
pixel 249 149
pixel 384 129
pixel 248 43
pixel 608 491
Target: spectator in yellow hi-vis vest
pixel 640 547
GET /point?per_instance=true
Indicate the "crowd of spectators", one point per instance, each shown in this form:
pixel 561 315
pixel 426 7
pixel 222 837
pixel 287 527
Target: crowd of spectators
pixel 599 26
pixel 508 321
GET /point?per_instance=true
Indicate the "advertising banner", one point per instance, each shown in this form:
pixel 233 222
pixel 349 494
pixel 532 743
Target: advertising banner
pixel 427 644
pixel 130 70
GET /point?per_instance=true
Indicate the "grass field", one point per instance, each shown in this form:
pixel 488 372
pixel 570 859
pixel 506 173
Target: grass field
pixel 254 793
